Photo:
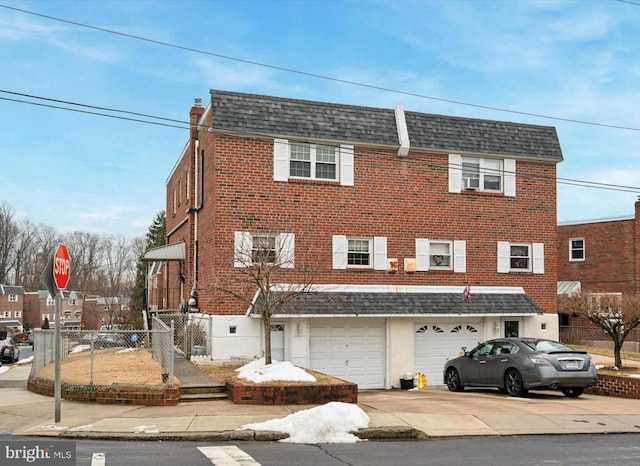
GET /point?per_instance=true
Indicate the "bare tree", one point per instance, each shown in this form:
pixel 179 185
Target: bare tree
pixel 8 237
pixel 616 314
pixel 264 264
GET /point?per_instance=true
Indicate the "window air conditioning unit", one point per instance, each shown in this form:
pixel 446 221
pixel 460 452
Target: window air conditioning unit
pixel 471 183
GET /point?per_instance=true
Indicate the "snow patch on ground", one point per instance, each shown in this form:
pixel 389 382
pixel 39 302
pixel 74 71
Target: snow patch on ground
pixel 257 372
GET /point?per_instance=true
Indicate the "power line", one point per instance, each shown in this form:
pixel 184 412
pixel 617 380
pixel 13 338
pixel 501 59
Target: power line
pixel 262 136
pixel 320 76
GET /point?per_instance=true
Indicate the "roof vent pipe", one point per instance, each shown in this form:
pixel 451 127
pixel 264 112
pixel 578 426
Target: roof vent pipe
pixel 403 132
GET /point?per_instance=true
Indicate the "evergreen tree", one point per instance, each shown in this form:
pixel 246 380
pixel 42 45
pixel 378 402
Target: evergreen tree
pixel 156 236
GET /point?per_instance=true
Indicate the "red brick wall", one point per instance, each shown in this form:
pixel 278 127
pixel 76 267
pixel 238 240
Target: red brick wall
pixel 265 394
pixel 610 256
pixel 399 198
pixel 611 385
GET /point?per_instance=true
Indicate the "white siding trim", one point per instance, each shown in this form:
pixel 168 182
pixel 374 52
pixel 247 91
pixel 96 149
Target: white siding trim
pixel 286 248
pixel 339 251
pixel 280 160
pixel 346 165
pixel 460 256
pixel 455 173
pixel 422 255
pixel 509 177
pixel 380 253
pixel 538 258
pixel 504 257
pixel 242 245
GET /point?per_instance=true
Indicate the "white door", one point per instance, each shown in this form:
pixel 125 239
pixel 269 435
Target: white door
pixel 350 349
pixel 435 343
pixel 277 342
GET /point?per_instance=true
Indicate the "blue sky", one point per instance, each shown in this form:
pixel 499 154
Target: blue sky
pixel 565 60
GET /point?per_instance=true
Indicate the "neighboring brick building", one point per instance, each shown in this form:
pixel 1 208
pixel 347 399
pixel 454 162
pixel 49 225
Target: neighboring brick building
pixel 39 304
pixel 11 307
pixel 598 256
pixel 399 210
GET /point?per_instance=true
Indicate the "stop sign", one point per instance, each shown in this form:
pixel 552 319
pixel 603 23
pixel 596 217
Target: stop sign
pixel 61 267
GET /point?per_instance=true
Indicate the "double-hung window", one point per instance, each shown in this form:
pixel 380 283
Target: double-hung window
pixel 13 298
pixel 359 253
pixel 520 257
pixel 312 161
pixel 576 249
pixel 264 249
pixel 440 255
pixel 482 174
pixel 354 252
pixel 299 160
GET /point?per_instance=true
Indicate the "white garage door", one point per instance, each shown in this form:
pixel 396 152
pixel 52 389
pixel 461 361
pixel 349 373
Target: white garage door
pixel 435 343
pixel 350 349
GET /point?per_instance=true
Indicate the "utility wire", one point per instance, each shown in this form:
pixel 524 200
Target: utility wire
pixel 262 136
pixel 320 76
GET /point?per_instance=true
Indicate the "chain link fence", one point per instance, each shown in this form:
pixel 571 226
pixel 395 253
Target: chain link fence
pixel 191 332
pixel 109 357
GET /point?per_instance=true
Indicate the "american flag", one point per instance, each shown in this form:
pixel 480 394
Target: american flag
pixel 467 292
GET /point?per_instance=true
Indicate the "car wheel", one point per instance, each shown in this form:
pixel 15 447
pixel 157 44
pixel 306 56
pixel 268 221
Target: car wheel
pixel 453 380
pixel 513 383
pixel 572 392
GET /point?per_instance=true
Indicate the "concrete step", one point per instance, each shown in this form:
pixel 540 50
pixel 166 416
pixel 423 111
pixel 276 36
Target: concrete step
pixel 203 396
pixel 190 389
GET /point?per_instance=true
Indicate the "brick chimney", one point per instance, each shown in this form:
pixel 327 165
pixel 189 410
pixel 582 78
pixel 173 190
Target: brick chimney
pixel 195 114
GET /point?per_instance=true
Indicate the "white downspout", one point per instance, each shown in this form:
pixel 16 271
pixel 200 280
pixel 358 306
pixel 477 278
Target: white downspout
pixel 196 203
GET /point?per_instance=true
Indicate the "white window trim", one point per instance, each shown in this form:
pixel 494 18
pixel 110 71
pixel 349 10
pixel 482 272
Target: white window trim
pixel 571 249
pixel 378 252
pixel 17 314
pixel 13 298
pixel 536 257
pixel 6 314
pixel 243 245
pixel 508 176
pixel 344 163
pixel 458 251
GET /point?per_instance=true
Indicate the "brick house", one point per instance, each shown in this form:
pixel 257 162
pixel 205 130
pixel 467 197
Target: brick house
pixel 40 304
pixel 400 212
pixel 598 256
pixel 11 307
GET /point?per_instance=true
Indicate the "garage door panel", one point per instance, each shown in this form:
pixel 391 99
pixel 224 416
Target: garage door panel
pixel 434 344
pixel 353 351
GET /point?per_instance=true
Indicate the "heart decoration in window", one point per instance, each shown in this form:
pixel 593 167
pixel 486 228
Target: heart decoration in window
pixel 438 260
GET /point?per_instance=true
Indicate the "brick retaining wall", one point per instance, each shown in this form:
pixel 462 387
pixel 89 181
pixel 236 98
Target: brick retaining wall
pixel 147 395
pixel 316 394
pixel 620 386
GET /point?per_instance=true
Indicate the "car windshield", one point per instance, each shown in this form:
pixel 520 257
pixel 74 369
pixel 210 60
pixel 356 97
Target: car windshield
pixel 546 345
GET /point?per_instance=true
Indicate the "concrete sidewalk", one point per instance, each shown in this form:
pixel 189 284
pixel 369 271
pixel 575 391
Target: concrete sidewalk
pixel 432 412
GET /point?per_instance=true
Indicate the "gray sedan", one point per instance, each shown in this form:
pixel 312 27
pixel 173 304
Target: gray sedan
pixel 517 365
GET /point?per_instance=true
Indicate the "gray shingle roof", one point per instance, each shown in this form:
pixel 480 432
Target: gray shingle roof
pixel 11 289
pixel 410 304
pixel 304 119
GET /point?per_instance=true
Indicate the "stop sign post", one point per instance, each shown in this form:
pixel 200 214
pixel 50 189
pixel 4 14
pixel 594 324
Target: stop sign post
pixel 56 278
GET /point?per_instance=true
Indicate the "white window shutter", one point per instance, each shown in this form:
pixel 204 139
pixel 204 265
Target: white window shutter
pixel 339 252
pixel 242 246
pixel 380 253
pixel 504 257
pixel 422 255
pixel 280 160
pixel 538 258
pixel 286 249
pixel 460 256
pixel 509 177
pixel 346 165
pixel 455 173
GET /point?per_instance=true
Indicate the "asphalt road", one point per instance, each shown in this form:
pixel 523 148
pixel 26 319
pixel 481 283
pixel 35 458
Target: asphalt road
pixel 587 450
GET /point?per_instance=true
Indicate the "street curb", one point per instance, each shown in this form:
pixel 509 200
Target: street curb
pixel 376 433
